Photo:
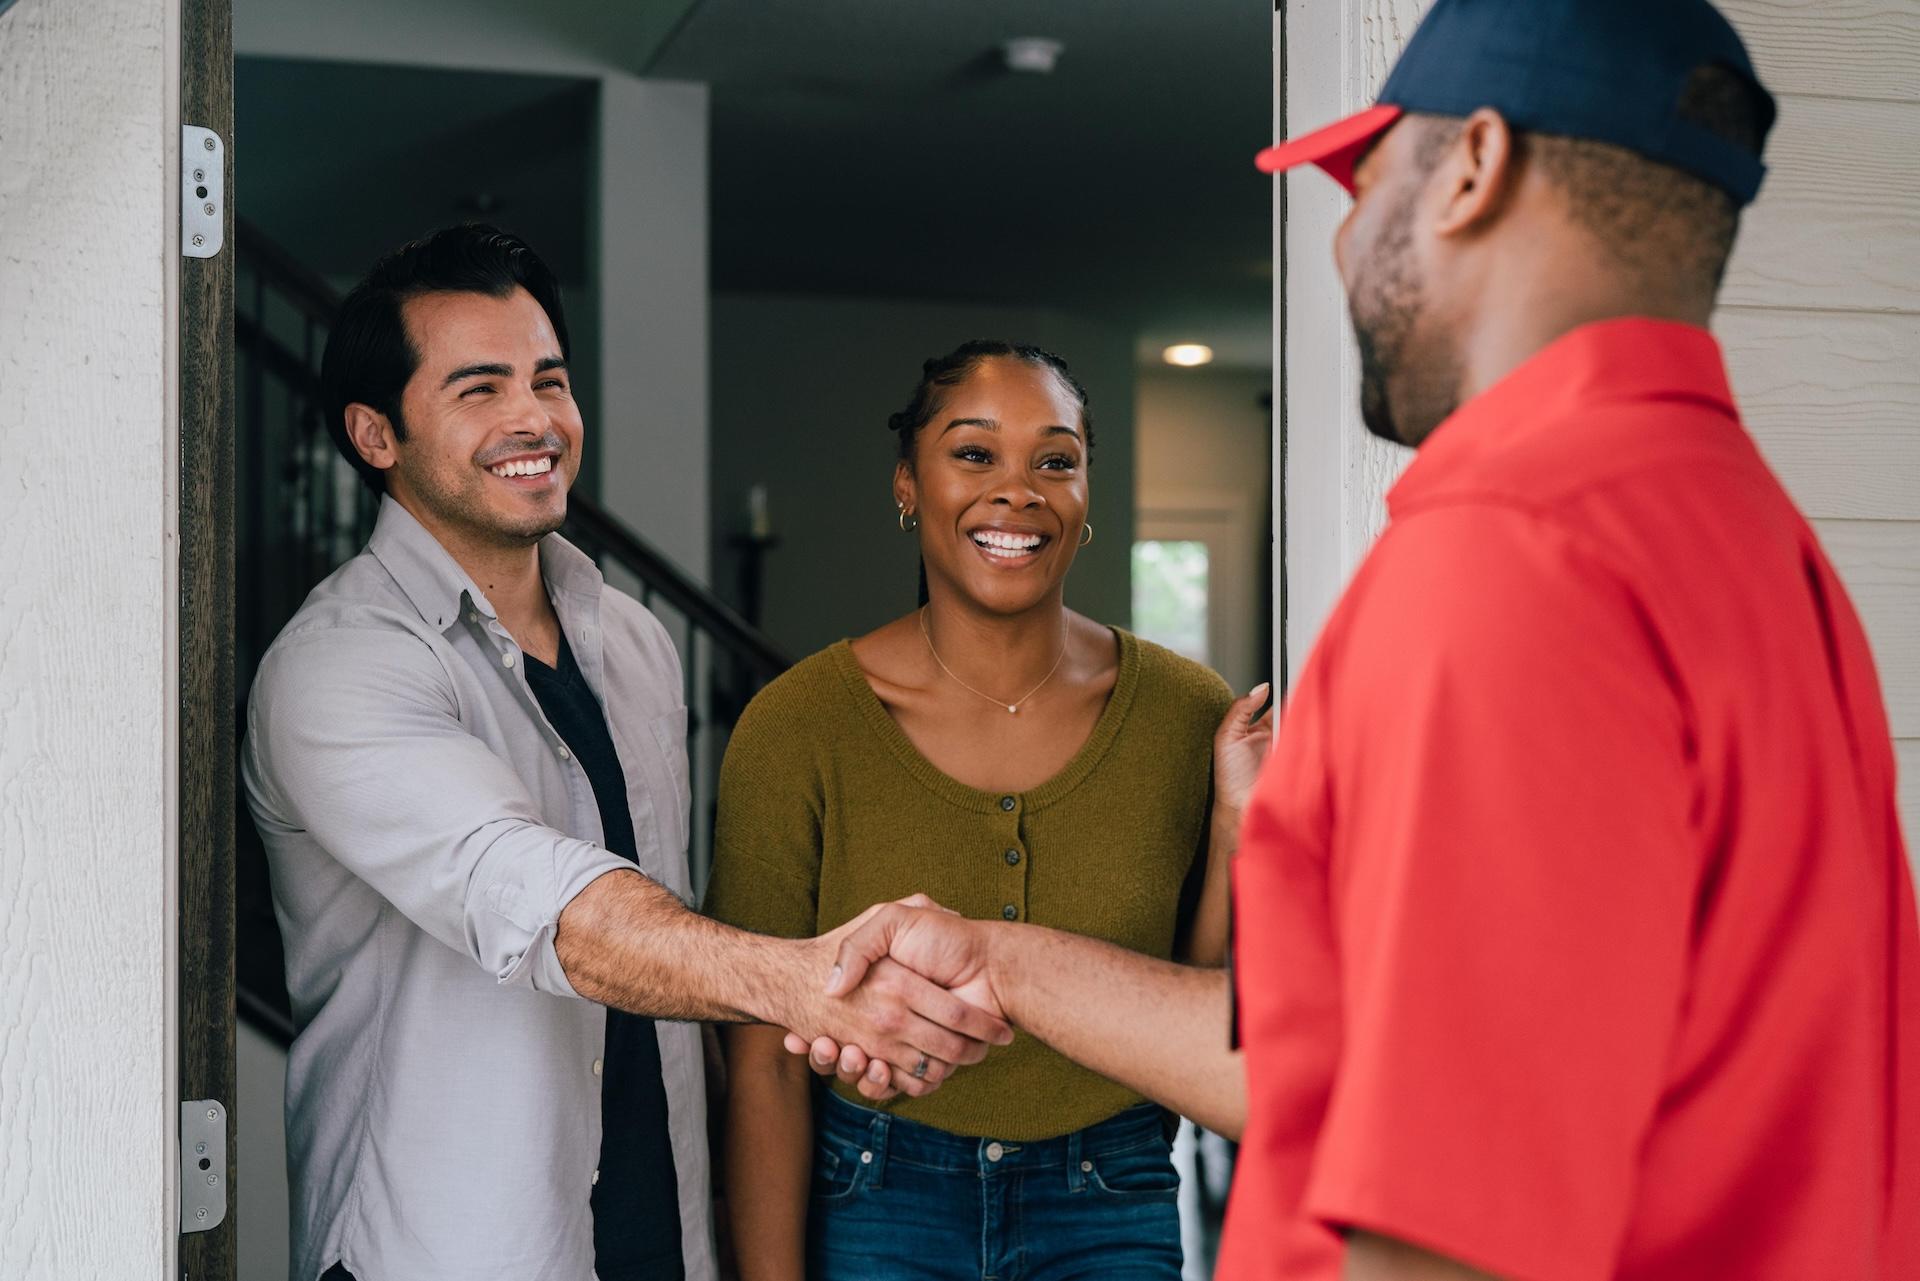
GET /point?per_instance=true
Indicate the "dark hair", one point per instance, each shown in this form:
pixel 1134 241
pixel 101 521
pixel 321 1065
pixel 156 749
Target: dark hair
pixel 370 356
pixel 1655 220
pixel 954 368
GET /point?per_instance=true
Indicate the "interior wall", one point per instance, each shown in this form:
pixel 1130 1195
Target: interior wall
pixel 649 246
pixel 89 155
pixel 1207 434
pixel 802 388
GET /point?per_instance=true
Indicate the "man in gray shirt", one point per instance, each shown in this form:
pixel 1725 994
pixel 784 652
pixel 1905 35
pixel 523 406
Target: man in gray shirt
pixel 458 902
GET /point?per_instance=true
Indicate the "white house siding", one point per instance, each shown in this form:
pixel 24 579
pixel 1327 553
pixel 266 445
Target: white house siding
pixel 1820 315
pixel 88 140
pixel 1821 311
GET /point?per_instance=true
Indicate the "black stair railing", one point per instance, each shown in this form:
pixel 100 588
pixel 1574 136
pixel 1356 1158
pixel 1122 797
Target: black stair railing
pixel 303 512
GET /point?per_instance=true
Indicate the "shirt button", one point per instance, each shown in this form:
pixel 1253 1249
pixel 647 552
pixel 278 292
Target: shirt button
pixel 1007 803
pixel 866 1158
pixel 1013 858
pixel 599 1066
pixel 596 1177
pixel 1010 912
pixel 473 616
pixel 565 755
pixel 995 1151
pixel 506 659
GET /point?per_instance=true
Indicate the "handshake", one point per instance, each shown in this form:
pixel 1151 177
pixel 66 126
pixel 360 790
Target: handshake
pixel 915 991
pixel 909 998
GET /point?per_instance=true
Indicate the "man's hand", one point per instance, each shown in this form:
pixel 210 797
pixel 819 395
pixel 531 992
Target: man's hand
pixel 917 1013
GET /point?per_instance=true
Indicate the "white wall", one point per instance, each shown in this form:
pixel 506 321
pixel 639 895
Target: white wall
pixel 650 266
pixel 802 388
pixel 1204 444
pixel 1820 315
pixel 89 153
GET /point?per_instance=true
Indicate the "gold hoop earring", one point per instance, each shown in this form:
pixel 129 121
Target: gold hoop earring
pixel 1086 534
pixel 904 514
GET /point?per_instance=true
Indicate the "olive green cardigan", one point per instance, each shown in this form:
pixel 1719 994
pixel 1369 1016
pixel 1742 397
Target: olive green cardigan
pixel 826 808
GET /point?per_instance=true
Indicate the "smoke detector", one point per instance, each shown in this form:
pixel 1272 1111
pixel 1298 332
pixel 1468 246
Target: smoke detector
pixel 1034 55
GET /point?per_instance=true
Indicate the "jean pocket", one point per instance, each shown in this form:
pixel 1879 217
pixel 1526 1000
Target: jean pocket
pixel 836 1176
pixel 1144 1173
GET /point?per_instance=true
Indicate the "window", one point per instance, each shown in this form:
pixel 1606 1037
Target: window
pixel 1170 595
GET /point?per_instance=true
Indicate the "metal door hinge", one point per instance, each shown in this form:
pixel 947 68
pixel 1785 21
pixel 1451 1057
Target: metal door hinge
pixel 203 1165
pixel 203 192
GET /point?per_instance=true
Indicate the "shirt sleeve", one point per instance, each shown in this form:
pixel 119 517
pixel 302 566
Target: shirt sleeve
pixel 767 836
pixel 1512 884
pixel 354 736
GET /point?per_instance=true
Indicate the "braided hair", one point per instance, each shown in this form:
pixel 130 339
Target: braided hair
pixel 942 372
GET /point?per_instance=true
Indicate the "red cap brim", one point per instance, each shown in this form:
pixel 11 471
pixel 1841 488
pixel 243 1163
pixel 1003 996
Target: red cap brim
pixel 1335 148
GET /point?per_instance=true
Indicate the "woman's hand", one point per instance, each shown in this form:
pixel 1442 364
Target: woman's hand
pixel 1240 747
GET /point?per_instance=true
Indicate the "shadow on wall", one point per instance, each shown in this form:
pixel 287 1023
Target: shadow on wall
pixel 802 388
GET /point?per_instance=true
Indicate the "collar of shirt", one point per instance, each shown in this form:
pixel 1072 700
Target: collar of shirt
pixel 1630 359
pixel 436 585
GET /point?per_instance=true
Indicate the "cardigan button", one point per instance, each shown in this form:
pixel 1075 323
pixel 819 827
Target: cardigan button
pixel 1010 912
pixel 1007 803
pixel 1013 858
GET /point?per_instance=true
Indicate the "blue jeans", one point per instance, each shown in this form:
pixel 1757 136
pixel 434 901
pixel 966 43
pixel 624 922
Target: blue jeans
pixel 896 1199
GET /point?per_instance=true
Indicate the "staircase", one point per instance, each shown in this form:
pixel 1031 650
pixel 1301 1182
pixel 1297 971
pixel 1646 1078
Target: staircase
pixel 302 511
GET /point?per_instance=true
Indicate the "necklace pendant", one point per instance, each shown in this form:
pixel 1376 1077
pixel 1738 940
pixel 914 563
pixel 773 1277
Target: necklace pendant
pixel 1012 708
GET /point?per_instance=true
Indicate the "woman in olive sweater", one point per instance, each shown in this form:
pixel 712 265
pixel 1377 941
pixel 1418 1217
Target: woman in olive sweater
pixel 1012 759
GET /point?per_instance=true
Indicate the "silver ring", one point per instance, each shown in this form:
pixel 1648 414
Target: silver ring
pixel 920 1069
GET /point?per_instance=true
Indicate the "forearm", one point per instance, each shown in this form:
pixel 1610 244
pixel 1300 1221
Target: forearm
pixel 1154 1026
pixel 1206 941
pixel 627 942
pixel 769 1154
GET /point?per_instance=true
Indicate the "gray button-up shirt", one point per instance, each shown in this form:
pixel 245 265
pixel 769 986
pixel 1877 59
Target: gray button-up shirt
pixel 424 827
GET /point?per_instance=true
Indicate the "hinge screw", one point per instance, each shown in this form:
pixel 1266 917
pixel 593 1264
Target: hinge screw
pixel 208 143
pixel 197 242
pixel 212 1179
pixel 213 1114
pixel 199 175
pixel 209 206
pixel 200 1149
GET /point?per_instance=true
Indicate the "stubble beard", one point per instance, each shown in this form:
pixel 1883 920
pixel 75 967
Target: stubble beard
pixel 1404 394
pixel 462 504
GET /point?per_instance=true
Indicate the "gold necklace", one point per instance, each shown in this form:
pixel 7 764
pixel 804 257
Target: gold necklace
pixel 1014 706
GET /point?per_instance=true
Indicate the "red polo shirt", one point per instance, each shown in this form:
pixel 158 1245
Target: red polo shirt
pixel 1575 935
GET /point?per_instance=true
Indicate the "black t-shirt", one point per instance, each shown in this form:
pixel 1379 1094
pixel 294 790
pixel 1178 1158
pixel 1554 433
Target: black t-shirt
pixel 636 1198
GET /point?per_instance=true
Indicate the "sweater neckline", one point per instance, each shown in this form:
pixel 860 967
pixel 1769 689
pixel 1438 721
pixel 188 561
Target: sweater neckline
pixel 1105 731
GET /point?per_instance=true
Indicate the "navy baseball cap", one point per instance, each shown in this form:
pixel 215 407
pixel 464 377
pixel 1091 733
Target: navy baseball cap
pixel 1609 70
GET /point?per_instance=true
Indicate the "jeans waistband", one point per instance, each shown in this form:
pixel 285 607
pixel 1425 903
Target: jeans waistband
pixel 895 1139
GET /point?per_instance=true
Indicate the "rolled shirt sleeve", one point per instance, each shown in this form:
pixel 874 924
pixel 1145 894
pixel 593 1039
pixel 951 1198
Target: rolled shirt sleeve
pixel 355 736
pixel 1512 884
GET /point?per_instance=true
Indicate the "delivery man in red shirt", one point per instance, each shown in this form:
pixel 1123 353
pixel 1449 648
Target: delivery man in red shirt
pixel 1576 938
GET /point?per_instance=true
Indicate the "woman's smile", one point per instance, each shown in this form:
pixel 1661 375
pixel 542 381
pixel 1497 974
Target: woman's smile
pixel 1007 546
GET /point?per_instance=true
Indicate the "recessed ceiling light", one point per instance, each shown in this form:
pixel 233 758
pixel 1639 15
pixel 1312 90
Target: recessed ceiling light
pixel 1035 55
pixel 1187 354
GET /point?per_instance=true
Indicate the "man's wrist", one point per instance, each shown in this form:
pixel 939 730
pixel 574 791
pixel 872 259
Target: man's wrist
pixel 1006 947
pixel 794 974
